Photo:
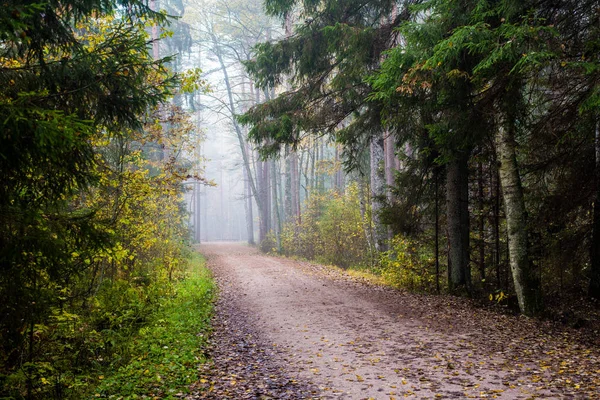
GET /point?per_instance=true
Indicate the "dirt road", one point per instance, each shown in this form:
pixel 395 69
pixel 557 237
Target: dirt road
pixel 288 329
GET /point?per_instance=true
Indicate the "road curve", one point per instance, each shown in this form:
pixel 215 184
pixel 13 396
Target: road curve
pixel 345 339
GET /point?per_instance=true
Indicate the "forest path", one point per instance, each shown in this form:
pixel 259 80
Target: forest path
pixel 289 329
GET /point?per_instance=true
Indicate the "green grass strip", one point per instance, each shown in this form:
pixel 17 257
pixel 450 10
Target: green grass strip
pixel 169 349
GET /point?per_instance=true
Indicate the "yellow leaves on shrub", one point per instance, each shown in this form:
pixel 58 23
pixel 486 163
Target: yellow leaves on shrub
pixel 407 265
pixel 331 230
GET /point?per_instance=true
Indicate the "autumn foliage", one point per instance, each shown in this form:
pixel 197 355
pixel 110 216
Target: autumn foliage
pixel 93 231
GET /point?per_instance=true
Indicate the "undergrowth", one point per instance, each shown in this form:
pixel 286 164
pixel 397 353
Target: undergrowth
pixel 167 350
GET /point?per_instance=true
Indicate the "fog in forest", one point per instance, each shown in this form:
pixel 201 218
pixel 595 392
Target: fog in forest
pixel 218 207
pixel 443 148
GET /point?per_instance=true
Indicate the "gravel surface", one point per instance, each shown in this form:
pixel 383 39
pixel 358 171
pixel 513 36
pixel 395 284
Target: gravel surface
pixel 286 329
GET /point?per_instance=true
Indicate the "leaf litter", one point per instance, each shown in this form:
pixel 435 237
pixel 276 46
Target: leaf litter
pixel 286 329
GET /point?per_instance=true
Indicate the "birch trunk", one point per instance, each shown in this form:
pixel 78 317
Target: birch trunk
pixel 390 167
pixel 197 215
pixel 337 182
pixel 526 281
pixel 390 163
pixel 364 199
pixel 378 192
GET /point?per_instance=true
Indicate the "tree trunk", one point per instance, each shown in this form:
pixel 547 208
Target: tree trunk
pixel 481 221
pixel 262 221
pixel 314 154
pixel 457 203
pixel 280 193
pixel 264 195
pixel 295 186
pixel 197 215
pixel 339 173
pixel 436 174
pixel 293 157
pixel 378 192
pixel 321 174
pixel 390 167
pixel 288 209
pixel 275 203
pixel 248 209
pixel 390 162
pixel 497 254
pixel 364 198
pixel 526 281
pixel 154 34
pixel 303 163
pixel 594 289
pixel 263 209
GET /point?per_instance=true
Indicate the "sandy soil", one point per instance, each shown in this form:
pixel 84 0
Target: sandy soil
pixel 289 329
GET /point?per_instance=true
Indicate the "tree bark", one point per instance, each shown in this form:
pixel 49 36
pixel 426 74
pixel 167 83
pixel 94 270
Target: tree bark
pixel 497 255
pixel 197 215
pixel 436 174
pixel 339 181
pixel 314 154
pixel 154 34
pixel 295 186
pixel 390 167
pixel 288 209
pixel 594 288
pixel 526 281
pixel 275 205
pixel 378 191
pixel 364 198
pixel 248 209
pixel 390 162
pixel 264 195
pixel 481 221
pixel 457 203
pixel 322 172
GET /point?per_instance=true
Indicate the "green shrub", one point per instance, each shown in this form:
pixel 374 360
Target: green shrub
pixel 408 265
pixel 331 230
pixel 124 328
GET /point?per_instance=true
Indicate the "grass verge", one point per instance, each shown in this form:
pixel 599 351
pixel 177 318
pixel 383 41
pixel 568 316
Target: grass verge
pixel 168 350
